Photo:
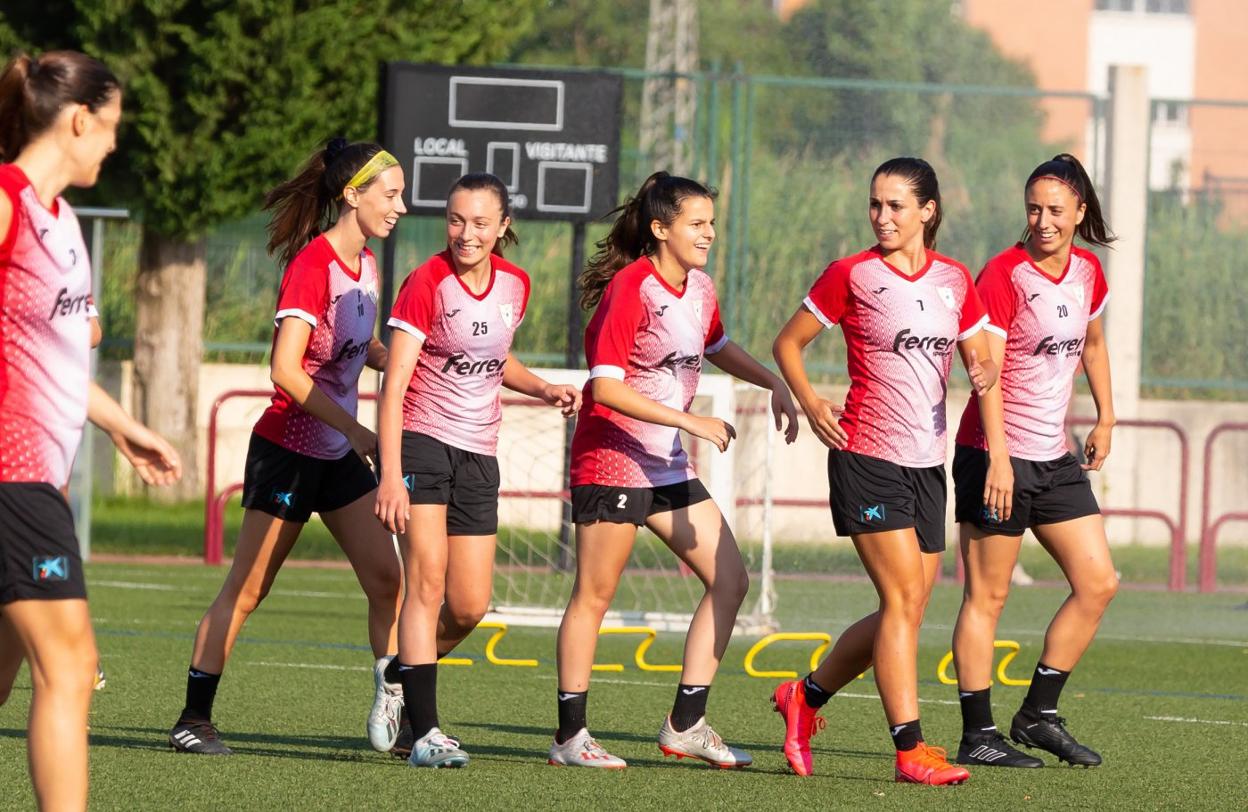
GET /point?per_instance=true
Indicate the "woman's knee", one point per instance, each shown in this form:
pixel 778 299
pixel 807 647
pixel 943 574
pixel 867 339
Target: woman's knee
pixel 987 600
pixel 731 586
pixel 1098 591
pixel 427 590
pixel 383 585
pixel 593 596
pixel 466 616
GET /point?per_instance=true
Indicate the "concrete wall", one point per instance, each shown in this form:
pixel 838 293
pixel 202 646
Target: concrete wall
pixel 531 459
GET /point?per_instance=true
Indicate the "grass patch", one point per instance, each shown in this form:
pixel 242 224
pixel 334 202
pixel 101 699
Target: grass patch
pixel 297 691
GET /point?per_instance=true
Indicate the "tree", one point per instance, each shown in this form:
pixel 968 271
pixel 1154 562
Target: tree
pixel 223 99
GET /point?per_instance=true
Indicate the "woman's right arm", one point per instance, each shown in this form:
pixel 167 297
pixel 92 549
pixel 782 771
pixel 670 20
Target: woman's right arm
pixel 392 498
pixel 822 414
pixel 615 394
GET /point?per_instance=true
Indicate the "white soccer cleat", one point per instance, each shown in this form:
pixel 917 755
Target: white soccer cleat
pixel 387 712
pixel 583 750
pixel 436 749
pixel 703 743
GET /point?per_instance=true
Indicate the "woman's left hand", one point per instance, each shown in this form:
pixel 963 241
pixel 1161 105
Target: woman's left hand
pixel 153 458
pixel 782 405
pixel 567 398
pixel 999 489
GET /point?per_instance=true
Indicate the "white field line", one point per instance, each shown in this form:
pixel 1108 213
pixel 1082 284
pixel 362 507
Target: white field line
pixel 135 585
pixel 1004 633
pixel 1196 721
pixel 613 681
pixel 876 697
pixel 322 667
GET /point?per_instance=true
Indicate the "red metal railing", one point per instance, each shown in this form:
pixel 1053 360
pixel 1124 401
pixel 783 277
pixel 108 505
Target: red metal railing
pixel 215 502
pixel 1209 529
pixel 1177 525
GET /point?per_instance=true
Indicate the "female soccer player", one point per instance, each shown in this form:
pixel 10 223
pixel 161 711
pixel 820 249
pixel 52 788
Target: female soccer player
pixel 308 452
pixel 657 318
pixel 58 122
pixel 1045 297
pixel 450 353
pixel 903 308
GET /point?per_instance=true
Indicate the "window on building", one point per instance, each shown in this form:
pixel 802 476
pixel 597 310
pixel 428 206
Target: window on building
pixel 1170 112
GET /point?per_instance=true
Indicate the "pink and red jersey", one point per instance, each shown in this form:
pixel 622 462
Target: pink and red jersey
pixel 45 305
pixel 321 289
pixel 652 337
pixel 454 392
pixel 900 333
pixel 1044 322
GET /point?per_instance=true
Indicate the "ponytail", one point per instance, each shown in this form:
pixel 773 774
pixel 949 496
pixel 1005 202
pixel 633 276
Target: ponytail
pixel 1066 169
pixel 34 90
pixel 305 205
pixel 476 181
pixel 921 178
pixel 660 198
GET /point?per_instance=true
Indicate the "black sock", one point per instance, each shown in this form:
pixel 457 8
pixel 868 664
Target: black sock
pixel 976 712
pixel 1046 687
pixel 907 736
pixel 689 707
pixel 816 695
pixel 572 706
pixel 201 690
pixel 420 696
pixel 391 674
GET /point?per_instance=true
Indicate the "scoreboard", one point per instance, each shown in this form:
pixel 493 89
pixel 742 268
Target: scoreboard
pixel 553 137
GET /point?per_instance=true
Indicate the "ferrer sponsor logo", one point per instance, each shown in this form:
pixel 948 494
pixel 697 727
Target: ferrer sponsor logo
pixel 904 340
pixel 461 364
pixel 66 305
pixel 351 351
pixel 1070 347
pixel 673 360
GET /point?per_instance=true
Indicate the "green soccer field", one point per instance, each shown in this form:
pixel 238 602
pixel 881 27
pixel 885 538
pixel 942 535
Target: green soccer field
pixel 1161 694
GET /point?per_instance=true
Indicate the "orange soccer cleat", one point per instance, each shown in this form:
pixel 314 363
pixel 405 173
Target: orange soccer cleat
pixel 928 765
pixel 801 721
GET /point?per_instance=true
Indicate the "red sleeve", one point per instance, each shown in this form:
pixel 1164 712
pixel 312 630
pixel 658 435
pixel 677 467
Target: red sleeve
pixel 716 338
pixel 974 316
pixel 304 293
pixel 829 297
pixel 524 305
pixel 999 299
pixel 622 315
pixel 10 236
pixel 1100 289
pixel 413 307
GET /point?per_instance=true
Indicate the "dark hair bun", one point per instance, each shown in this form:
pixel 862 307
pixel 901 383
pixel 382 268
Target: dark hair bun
pixel 334 148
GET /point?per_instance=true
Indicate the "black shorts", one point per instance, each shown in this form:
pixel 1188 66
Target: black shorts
pixel 870 495
pixel 39 558
pixel 466 482
pixel 1044 492
pixel 291 486
pixel 604 503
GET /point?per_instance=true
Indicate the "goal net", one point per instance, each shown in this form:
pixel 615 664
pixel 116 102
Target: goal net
pixel 535 561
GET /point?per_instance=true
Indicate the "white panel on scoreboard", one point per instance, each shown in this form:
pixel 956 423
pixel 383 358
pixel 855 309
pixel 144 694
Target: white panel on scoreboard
pixel 435 196
pixel 539 96
pixel 511 178
pixel 544 168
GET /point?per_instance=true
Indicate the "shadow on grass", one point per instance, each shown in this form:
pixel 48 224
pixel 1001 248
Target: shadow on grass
pixel 320 748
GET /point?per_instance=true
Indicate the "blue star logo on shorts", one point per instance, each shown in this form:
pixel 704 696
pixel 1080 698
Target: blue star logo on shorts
pixel 409 481
pixel 284 498
pixel 989 514
pixel 873 513
pixel 51 568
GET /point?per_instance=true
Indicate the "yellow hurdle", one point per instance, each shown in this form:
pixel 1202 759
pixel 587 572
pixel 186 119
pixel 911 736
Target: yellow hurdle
pixel 825 641
pixel 942 670
pixel 639 656
pixel 500 631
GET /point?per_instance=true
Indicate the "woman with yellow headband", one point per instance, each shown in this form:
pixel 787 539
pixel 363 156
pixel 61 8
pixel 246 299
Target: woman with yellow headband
pixel 308 451
pixel 1046 301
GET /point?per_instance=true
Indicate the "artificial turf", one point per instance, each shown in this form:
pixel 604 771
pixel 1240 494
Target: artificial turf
pixel 1161 694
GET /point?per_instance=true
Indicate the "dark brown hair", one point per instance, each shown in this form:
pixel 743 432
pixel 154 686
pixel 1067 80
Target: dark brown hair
pixel 1067 169
pixel 921 178
pixel 476 181
pixel 660 198
pixel 305 205
pixel 34 90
